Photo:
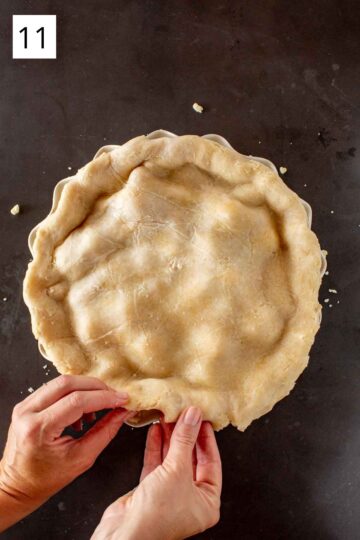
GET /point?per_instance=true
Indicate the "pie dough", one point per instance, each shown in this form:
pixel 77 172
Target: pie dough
pixel 181 271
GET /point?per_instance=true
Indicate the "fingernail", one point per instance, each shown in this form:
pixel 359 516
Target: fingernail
pixel 122 396
pixel 192 416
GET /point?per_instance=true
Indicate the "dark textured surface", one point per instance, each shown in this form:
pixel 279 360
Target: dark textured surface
pixel 278 79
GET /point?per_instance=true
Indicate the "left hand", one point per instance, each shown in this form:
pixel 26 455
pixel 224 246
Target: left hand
pixel 38 461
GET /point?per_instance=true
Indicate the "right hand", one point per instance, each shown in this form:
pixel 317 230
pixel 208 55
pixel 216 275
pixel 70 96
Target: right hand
pixel 180 485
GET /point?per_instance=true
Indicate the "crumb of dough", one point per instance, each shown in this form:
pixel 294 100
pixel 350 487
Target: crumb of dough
pixel 30 390
pixel 305 185
pixel 283 170
pixel 61 506
pixel 327 273
pixel 330 305
pixel 327 300
pixel 15 210
pixel 69 168
pixel 332 211
pixel 198 108
pixel 334 291
pixel 5 299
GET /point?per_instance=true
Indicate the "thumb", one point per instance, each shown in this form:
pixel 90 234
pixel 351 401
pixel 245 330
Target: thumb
pixel 184 436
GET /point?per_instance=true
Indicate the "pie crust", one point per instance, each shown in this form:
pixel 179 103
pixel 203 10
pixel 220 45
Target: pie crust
pixel 181 271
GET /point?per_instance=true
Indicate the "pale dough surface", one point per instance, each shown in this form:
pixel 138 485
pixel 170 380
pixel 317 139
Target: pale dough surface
pixel 182 272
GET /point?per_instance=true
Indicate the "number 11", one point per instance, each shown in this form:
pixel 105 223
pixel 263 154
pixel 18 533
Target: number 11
pixel 41 30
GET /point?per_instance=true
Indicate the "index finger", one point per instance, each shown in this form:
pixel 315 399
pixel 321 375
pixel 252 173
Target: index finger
pixel 152 454
pixel 67 410
pixel 167 428
pixel 208 468
pixel 50 393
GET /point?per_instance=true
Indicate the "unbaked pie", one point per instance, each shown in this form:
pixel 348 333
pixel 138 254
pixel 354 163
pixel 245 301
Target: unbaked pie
pixel 181 271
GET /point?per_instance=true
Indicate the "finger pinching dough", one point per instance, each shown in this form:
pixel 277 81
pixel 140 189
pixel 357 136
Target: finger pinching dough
pixel 180 271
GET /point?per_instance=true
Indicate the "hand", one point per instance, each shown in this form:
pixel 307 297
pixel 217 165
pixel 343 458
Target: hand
pixel 180 485
pixel 38 461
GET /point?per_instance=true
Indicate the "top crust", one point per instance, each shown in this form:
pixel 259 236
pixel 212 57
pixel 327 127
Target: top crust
pixel 182 272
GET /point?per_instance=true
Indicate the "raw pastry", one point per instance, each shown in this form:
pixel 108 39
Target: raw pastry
pixel 182 272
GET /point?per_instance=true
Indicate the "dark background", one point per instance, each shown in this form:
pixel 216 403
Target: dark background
pixel 278 79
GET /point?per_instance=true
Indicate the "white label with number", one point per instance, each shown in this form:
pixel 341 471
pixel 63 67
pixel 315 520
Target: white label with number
pixel 34 36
